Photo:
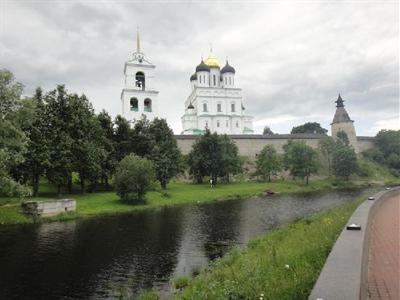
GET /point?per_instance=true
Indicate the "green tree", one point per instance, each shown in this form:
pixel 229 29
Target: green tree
pixel 231 162
pixel 309 127
pixel 205 157
pixel 58 113
pixel 142 141
pixel 343 138
pixel 108 155
pixel 37 156
pixel 300 159
pixel 13 141
pixel 267 131
pixel 344 161
pixel 164 153
pixel 133 178
pixel 122 138
pixel 327 147
pixel 388 143
pixel 267 162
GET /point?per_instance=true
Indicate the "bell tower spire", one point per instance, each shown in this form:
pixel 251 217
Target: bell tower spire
pixel 137 40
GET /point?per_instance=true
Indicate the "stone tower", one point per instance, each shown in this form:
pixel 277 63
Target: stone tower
pixel 342 122
pixel 139 97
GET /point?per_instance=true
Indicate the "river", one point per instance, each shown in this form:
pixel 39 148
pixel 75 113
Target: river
pixel 105 257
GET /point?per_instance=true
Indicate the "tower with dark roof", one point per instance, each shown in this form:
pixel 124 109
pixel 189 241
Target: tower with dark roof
pixel 342 122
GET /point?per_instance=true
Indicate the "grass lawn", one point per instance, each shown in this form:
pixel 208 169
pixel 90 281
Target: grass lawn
pixel 91 204
pixel 283 264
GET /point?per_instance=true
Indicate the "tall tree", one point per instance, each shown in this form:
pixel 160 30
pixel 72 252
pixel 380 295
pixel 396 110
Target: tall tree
pixel 13 141
pixel 344 161
pixel 300 159
pixel 108 158
pixel 231 162
pixel 37 155
pixel 164 153
pixel 141 139
pixel 267 131
pixel 206 157
pixel 122 138
pixel 309 127
pixel 58 113
pixel 327 147
pixel 343 138
pixel 268 162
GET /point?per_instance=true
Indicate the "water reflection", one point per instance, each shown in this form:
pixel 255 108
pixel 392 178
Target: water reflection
pixel 120 255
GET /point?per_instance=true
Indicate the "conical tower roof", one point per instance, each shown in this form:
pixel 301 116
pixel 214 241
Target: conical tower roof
pixel 341 115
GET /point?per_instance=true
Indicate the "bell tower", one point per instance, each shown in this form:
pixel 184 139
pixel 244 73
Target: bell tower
pixel 139 96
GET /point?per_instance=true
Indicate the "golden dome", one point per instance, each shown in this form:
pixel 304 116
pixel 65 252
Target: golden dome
pixel 212 61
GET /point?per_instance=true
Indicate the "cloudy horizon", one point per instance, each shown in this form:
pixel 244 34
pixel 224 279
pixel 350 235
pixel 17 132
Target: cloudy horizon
pixel 291 58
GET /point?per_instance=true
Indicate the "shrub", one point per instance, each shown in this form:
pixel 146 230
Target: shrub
pixel 133 178
pixel 180 282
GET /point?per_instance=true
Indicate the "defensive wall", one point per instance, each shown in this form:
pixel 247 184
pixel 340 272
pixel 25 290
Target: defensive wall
pixel 251 144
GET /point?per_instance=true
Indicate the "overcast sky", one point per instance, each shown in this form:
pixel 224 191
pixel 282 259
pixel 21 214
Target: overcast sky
pixel 291 58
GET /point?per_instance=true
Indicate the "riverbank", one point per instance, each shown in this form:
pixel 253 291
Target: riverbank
pixel 103 203
pixel 283 264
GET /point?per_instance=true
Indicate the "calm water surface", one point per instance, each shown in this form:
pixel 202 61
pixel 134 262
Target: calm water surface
pixel 120 255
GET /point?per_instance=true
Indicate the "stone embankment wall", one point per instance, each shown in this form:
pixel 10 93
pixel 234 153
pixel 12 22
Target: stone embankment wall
pixel 48 208
pixel 251 145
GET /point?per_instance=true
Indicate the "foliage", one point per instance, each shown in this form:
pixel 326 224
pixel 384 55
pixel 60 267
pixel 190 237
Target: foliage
pixel 388 143
pixel 164 152
pixel 374 154
pixel 213 156
pixel 344 161
pixel 180 282
pixel 267 131
pixel 301 160
pixel 327 147
pixel 309 127
pixel 148 295
pixel 122 138
pixel 13 141
pixel 267 162
pixel 343 138
pixel 283 264
pixel 231 162
pixel 133 178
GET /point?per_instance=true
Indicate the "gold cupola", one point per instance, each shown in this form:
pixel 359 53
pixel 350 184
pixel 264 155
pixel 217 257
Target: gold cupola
pixel 212 61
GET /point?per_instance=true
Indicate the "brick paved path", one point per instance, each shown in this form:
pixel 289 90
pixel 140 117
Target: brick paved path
pixel 384 252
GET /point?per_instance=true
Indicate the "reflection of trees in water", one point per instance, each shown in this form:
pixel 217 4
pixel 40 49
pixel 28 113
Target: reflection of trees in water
pixel 220 225
pixel 134 250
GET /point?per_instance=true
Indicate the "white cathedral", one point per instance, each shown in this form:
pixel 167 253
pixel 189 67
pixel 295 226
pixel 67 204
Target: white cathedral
pixel 139 96
pixel 215 102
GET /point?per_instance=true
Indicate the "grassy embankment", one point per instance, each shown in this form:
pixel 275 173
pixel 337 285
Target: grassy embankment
pixel 283 264
pixel 101 203
pixel 91 204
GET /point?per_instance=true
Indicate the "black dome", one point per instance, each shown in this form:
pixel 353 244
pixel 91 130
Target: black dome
pixel 228 69
pixel 202 67
pixel 193 77
pixel 190 106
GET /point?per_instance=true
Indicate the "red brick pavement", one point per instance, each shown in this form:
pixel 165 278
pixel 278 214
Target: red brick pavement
pixel 384 251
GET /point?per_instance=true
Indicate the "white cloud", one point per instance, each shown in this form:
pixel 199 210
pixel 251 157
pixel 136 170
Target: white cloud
pixel 292 58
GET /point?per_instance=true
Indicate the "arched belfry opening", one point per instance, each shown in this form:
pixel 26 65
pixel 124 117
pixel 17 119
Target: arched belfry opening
pixel 147 105
pixel 134 104
pixel 140 80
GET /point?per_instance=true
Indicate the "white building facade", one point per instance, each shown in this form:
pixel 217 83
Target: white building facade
pixel 215 101
pixel 139 95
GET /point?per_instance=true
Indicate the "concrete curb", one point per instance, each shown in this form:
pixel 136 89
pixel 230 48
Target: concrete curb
pixel 344 275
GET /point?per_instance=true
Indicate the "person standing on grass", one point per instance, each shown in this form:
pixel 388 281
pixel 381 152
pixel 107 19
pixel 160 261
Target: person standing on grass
pixel 211 183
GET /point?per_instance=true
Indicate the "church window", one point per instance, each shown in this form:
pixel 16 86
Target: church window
pixel 219 107
pixel 227 124
pixel 217 123
pixel 205 107
pixel 237 124
pixel 215 80
pixel 230 80
pixel 134 104
pixel 147 105
pixel 206 124
pixel 140 80
pixel 225 81
pixel 233 107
